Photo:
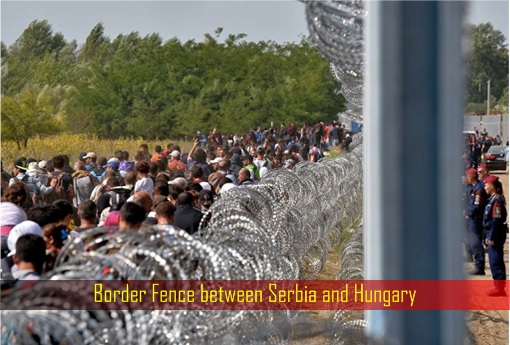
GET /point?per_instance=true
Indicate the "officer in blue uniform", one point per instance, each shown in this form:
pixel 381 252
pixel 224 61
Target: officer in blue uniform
pixel 494 218
pixel 474 216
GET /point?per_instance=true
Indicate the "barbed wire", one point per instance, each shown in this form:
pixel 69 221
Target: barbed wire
pixel 282 228
pixel 336 27
pixel 279 229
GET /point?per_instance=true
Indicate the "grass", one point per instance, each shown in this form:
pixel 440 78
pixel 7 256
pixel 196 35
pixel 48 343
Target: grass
pixel 72 144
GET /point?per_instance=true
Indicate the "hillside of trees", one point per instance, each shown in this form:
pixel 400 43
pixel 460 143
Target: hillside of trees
pixel 148 87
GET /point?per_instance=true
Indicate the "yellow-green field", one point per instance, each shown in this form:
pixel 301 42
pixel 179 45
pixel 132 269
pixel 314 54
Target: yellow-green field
pixel 72 144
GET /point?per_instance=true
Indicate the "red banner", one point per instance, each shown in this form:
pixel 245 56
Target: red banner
pixel 260 295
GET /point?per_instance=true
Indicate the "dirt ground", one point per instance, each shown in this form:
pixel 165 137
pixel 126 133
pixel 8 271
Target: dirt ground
pixel 490 327
pixel 484 327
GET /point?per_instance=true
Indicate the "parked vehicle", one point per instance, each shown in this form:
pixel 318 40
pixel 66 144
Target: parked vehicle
pixel 495 158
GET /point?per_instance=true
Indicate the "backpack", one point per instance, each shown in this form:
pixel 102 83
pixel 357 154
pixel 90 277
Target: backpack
pixel 99 174
pixel 59 191
pixel 118 197
pixel 29 202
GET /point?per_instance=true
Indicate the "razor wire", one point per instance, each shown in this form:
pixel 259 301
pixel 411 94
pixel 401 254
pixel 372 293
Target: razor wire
pixel 336 27
pixel 278 229
pixel 282 228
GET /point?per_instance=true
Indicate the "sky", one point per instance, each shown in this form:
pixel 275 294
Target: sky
pixel 279 21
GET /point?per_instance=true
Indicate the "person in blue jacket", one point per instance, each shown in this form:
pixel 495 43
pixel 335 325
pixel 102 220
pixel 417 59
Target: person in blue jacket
pixel 494 218
pixel 474 215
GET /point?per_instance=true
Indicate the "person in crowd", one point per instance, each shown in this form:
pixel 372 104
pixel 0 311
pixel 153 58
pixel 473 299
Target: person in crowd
pixel 29 258
pixel 144 183
pixel 180 182
pixel 215 138
pixel 315 153
pixel 54 237
pixel 277 161
pixel 158 153
pixel 347 141
pixel 197 176
pixel 244 178
pixel 165 214
pixel 199 158
pixel 144 148
pixel 151 216
pixel 494 218
pixel 66 213
pixel 221 170
pixel 67 167
pixel 5 181
pixel 176 163
pixel 90 161
pixel 125 165
pixel 485 144
pixel 483 172
pixel 64 188
pixel 99 171
pixel 143 199
pixel 260 160
pixel 131 216
pixel 186 216
pixel 474 215
pixel 19 171
pixel 130 180
pixel 248 164
pixel 154 171
pixel 11 207
pixel 36 185
pixel 87 214
pixel 161 188
pixel 102 187
pixel 83 182
pixel 173 193
pixel 113 165
pixel 26 227
pixel 23 228
pixel 45 214
pixel 206 199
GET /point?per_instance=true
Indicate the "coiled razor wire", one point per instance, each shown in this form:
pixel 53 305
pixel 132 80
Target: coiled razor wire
pixel 282 228
pixel 336 27
pixel 279 229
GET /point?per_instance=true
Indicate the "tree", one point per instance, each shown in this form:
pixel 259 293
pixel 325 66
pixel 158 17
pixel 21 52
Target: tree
pixel 37 40
pixel 37 57
pixel 35 111
pixel 503 101
pixel 488 60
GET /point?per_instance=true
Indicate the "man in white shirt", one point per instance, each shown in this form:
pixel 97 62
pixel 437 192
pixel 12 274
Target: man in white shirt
pixel 144 183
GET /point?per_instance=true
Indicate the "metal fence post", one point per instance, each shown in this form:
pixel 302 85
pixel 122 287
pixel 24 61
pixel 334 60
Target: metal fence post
pixel 413 123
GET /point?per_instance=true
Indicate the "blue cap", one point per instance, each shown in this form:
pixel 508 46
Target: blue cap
pixel 112 164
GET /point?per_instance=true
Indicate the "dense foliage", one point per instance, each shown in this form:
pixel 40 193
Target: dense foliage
pixel 144 86
pixel 487 60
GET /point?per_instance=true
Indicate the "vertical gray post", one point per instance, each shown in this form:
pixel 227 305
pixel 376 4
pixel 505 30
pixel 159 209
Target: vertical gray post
pixel 488 97
pixel 413 123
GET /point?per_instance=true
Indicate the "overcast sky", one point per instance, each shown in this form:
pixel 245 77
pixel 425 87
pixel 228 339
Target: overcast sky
pixel 280 21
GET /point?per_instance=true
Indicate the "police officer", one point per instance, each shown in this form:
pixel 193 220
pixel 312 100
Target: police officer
pixel 483 172
pixel 474 216
pixel 494 218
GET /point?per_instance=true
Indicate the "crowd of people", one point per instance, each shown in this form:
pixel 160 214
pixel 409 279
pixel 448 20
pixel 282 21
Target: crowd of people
pixel 486 213
pixel 476 144
pixel 47 202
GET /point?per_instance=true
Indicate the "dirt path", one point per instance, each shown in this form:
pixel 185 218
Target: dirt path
pixel 490 327
pixel 484 327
